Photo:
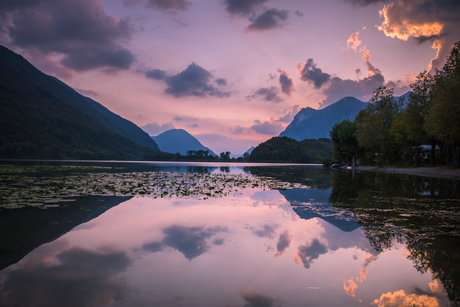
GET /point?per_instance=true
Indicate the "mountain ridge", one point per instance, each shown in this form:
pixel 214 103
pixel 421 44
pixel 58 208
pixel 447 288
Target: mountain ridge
pixel 42 118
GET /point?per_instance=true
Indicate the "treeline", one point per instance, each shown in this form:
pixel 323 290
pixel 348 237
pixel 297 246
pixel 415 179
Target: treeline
pixel 387 132
pixel 195 155
pixel 284 149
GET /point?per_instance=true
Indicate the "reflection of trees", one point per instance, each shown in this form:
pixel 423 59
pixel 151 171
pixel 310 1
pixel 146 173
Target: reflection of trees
pixel 313 176
pixel 422 213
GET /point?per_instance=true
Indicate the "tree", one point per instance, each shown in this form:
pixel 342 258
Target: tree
pixel 415 114
pixel 344 141
pixel 443 118
pixel 374 122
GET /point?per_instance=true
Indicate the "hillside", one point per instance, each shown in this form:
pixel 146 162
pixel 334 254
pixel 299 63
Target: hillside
pixel 284 149
pixel 315 124
pixel 179 140
pixel 44 118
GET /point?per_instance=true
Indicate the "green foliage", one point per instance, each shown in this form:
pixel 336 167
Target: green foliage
pixel 284 149
pixel 345 143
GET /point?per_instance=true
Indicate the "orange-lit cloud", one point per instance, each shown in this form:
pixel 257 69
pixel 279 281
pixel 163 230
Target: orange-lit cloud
pixel 367 260
pixel 353 41
pixel 401 27
pixel 350 289
pixel 400 299
pixel 423 20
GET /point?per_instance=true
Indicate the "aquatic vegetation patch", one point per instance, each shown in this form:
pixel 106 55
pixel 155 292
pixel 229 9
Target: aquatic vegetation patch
pixel 19 190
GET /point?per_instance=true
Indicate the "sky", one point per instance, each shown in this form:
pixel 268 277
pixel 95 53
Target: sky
pixel 233 73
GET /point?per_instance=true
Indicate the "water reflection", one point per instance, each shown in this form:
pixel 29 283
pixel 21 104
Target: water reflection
pixel 421 213
pixel 341 240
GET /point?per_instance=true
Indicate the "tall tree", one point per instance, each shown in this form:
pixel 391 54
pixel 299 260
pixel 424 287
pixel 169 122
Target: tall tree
pixel 443 119
pixel 375 121
pixel 344 141
pixel 416 112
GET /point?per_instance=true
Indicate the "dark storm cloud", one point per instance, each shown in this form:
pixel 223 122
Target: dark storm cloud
pixel 307 253
pixel 169 4
pixel 269 94
pixel 270 19
pixel 221 81
pixel 309 72
pixel 79 30
pixel 156 74
pixel 78 271
pixel 257 300
pixel 193 81
pixel 243 7
pixel 190 241
pixel 287 86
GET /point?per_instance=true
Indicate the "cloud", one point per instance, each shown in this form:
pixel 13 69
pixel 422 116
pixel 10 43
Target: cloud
pixel 353 41
pixel 257 300
pixel 367 260
pixel 82 35
pixel 193 81
pixel 365 2
pixel 153 247
pixel 190 241
pixel 350 289
pixel 335 88
pixel 424 20
pixel 289 114
pixel 156 74
pixel 221 81
pixel 307 253
pixel 243 7
pixel 298 13
pixel 268 128
pixel 168 4
pixel 309 72
pixel 401 299
pixel 155 129
pixel 287 86
pixel 270 94
pixel 267 230
pixel 86 272
pixel 284 242
pixel 270 19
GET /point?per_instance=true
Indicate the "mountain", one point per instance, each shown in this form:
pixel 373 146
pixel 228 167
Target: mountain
pixel 42 117
pixel 315 124
pixel 313 203
pixel 249 150
pixel 179 140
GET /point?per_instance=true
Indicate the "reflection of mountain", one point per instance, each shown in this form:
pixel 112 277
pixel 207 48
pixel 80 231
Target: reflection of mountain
pixel 315 203
pixel 25 229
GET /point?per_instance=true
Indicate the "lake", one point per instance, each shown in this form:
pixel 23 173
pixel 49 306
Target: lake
pixel 209 234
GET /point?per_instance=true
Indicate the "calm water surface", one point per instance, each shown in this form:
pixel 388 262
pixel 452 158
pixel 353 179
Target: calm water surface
pixel 325 239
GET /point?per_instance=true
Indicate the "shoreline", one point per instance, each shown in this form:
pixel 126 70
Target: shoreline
pixel 423 171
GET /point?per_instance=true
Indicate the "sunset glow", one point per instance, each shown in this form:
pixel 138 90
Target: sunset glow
pixel 231 73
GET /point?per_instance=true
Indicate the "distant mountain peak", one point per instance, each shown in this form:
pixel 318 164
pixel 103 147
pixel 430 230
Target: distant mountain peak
pixel 179 140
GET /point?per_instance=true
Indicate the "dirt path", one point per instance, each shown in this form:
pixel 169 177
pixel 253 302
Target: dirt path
pixel 426 171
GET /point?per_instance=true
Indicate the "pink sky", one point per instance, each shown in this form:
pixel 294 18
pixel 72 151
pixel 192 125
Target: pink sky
pixel 232 73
